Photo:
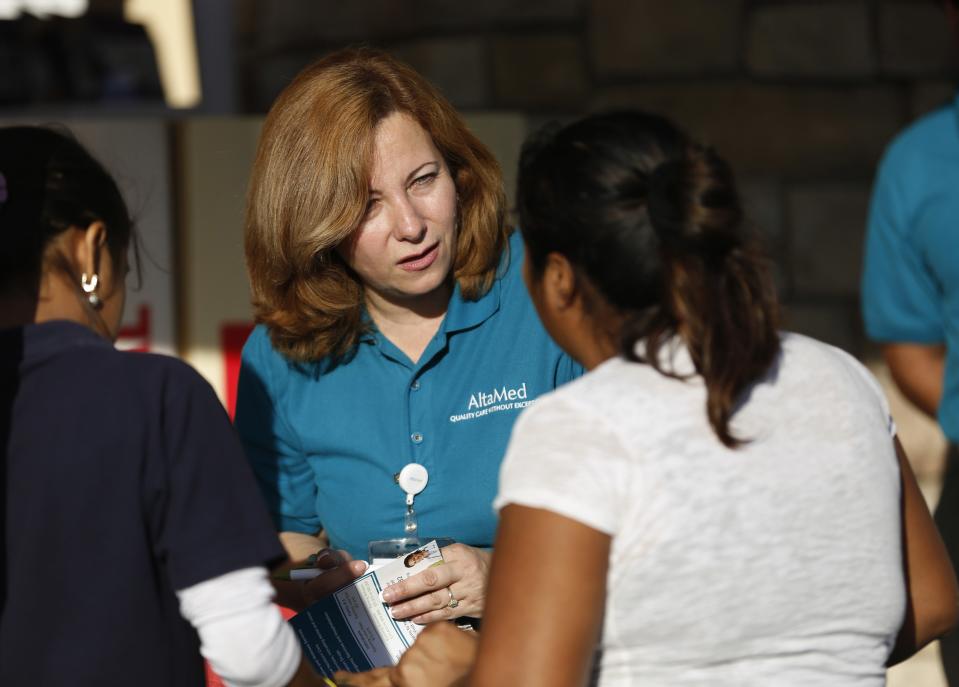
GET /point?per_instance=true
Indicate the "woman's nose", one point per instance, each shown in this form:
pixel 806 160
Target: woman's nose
pixel 408 222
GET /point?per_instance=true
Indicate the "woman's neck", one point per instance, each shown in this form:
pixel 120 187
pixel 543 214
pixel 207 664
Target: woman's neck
pixel 410 325
pixel 51 299
pixel 595 336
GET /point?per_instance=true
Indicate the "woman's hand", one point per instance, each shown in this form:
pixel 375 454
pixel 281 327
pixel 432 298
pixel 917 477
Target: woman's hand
pixel 340 569
pixel 441 656
pixel 451 590
pixel 378 677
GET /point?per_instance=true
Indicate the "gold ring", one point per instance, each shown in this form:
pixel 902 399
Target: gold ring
pixel 453 602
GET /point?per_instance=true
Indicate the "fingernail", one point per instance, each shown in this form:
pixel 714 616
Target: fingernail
pixel 387 595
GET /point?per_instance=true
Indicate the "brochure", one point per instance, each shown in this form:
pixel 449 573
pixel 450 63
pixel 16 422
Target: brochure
pixel 351 629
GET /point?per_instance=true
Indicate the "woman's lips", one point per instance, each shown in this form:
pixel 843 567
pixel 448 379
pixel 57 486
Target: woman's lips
pixel 420 261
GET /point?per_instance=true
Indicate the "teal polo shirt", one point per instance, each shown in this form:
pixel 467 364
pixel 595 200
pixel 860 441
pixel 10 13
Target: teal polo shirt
pixel 910 283
pixel 325 442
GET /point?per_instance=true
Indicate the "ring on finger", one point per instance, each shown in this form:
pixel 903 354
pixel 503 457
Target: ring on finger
pixel 453 602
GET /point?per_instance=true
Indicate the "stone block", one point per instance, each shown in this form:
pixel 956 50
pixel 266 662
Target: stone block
pixel 510 11
pixel 281 25
pixel 762 201
pixel 503 133
pixel 783 130
pixel 653 37
pixel 539 71
pixel 457 66
pixel 930 95
pixel 835 322
pixel 914 39
pixel 305 22
pixel 318 22
pixel 810 40
pixel 266 77
pixel 826 230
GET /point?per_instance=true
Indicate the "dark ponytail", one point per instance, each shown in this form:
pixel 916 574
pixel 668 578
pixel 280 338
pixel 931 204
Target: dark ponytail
pixel 51 183
pixel 655 224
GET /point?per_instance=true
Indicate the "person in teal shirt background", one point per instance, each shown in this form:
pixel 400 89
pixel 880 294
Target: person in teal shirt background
pixel 394 324
pixel 910 288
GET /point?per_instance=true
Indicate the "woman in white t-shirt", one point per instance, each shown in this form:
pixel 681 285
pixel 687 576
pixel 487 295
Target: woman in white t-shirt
pixel 716 502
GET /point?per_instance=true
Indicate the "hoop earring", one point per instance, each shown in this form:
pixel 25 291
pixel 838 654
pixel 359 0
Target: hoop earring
pixel 89 287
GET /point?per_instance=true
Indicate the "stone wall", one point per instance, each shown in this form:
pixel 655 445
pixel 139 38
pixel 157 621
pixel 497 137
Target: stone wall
pixel 801 95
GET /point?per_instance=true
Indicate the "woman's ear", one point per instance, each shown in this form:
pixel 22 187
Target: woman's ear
pixel 90 247
pixel 559 281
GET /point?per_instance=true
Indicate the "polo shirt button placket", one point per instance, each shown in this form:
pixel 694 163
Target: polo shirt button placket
pixel 416 438
pixel 415 386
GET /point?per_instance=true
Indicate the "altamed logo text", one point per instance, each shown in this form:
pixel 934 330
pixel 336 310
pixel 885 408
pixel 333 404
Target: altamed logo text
pixel 482 399
pixel 484 403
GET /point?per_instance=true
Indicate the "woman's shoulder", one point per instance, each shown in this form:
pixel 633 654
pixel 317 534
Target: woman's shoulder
pixel 802 352
pixel 510 271
pixel 260 357
pixel 593 394
pixel 510 288
pixel 163 374
pixel 808 362
pixel 74 347
pixel 133 383
pixel 258 347
pixel 258 350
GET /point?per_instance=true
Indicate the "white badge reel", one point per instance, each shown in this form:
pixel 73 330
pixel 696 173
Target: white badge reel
pixel 412 480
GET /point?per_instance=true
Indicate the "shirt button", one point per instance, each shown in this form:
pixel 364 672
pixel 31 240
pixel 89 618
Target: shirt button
pixel 415 386
pixel 416 438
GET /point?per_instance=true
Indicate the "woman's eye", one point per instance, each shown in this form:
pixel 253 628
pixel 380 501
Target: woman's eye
pixel 371 204
pixel 425 179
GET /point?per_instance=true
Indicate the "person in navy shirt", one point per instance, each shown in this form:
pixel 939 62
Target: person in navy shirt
pixel 133 533
pixel 394 324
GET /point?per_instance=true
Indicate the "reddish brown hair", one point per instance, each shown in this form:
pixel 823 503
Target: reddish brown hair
pixel 310 186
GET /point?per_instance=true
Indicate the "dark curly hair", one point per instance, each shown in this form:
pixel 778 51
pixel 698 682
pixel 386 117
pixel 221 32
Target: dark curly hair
pixel 653 221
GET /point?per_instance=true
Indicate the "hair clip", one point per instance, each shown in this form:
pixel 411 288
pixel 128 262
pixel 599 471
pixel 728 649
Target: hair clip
pixel 3 189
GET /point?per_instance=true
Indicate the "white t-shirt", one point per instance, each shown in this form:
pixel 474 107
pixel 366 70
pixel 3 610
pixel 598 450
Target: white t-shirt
pixel 777 563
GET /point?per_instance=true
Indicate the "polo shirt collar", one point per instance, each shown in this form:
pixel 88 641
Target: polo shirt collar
pixel 462 314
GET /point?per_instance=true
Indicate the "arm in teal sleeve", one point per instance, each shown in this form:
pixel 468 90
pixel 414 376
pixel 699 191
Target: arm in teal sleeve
pixel 271 444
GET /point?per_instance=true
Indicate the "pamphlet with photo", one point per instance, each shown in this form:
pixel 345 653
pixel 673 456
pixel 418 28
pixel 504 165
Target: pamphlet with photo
pixel 352 629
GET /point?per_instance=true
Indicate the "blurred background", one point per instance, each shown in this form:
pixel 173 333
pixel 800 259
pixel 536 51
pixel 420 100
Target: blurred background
pixel 801 96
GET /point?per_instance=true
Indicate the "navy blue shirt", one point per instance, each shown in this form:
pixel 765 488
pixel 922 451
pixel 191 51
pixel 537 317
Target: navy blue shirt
pixel 123 481
pixel 325 441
